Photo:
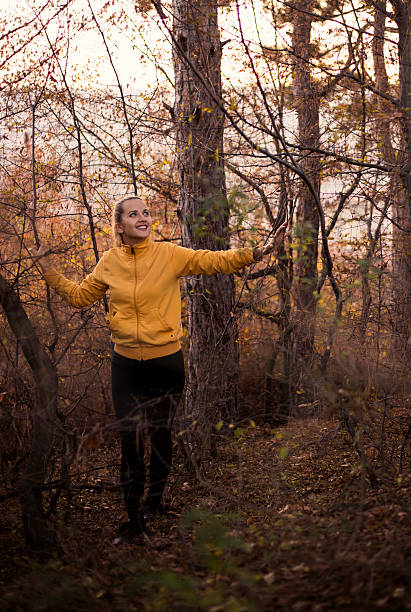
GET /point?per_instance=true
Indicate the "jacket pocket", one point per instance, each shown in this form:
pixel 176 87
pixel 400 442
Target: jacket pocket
pixel 111 313
pixel 111 317
pixel 155 329
pixel 123 330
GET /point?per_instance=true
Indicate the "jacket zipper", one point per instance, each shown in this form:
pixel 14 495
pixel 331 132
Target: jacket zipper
pixel 135 289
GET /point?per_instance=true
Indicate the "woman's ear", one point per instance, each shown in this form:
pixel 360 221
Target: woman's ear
pixel 119 228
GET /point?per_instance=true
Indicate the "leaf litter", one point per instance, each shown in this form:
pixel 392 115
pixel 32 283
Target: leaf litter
pixel 262 529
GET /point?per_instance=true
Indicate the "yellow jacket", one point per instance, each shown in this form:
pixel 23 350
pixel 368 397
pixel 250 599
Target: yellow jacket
pixel 145 303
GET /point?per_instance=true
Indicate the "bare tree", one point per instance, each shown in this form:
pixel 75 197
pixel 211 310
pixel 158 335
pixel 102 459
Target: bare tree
pixel 402 208
pixel 39 534
pixel 203 209
pixel 307 103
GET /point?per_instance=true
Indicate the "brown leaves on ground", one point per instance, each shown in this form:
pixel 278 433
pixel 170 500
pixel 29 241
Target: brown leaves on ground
pixel 262 529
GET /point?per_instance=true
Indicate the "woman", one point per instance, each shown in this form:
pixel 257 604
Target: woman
pixel 145 323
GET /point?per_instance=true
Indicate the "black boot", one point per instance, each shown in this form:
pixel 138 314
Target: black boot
pixel 132 528
pixel 153 507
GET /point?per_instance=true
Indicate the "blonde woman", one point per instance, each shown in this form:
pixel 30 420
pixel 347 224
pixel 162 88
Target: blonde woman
pixel 145 323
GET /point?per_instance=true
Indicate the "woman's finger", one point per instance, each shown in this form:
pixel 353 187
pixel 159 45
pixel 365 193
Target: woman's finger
pixel 42 250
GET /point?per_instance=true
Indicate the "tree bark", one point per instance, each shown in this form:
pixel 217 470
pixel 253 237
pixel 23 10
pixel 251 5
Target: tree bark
pixel 203 211
pixel 400 179
pixel 307 103
pixel 402 213
pixel 39 534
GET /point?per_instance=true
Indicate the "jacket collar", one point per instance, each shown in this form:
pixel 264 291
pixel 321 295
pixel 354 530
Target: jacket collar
pixel 138 249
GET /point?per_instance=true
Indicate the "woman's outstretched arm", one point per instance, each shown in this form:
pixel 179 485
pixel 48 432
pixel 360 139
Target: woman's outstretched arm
pixel 91 289
pixel 190 261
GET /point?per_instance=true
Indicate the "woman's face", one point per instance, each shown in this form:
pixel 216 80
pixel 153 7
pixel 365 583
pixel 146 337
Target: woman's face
pixel 135 223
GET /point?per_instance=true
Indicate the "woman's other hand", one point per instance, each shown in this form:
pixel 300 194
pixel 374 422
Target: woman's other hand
pixel 41 256
pixel 272 244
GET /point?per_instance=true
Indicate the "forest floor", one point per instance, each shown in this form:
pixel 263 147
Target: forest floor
pixel 282 519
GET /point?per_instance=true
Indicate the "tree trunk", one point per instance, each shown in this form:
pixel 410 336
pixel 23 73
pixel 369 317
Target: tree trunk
pixel 307 104
pixel 39 534
pixel 279 402
pixel 402 229
pixel 203 211
pixel 400 178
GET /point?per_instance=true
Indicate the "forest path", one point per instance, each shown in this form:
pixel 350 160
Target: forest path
pixel 283 519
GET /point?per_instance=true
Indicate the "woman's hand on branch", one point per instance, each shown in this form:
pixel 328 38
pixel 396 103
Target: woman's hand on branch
pixel 41 256
pixel 272 244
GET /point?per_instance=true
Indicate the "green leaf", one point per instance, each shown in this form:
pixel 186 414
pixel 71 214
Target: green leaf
pixel 283 452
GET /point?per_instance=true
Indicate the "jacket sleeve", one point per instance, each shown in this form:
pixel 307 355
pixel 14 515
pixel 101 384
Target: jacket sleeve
pixel 189 261
pixel 91 289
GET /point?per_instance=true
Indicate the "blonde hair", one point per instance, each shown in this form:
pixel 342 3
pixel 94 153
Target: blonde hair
pixel 117 212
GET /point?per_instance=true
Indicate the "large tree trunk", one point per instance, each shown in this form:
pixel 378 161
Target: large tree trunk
pixel 402 229
pixel 39 534
pixel 203 211
pixel 307 106
pixel 400 178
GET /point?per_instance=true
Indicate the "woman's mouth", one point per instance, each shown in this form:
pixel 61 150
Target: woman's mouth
pixel 141 227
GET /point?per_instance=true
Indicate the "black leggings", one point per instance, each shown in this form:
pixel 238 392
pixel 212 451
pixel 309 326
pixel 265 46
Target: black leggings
pixel 145 397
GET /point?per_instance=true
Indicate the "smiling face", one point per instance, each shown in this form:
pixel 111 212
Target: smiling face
pixel 135 223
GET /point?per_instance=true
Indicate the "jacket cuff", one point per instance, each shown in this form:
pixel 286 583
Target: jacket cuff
pixel 250 255
pixel 51 276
